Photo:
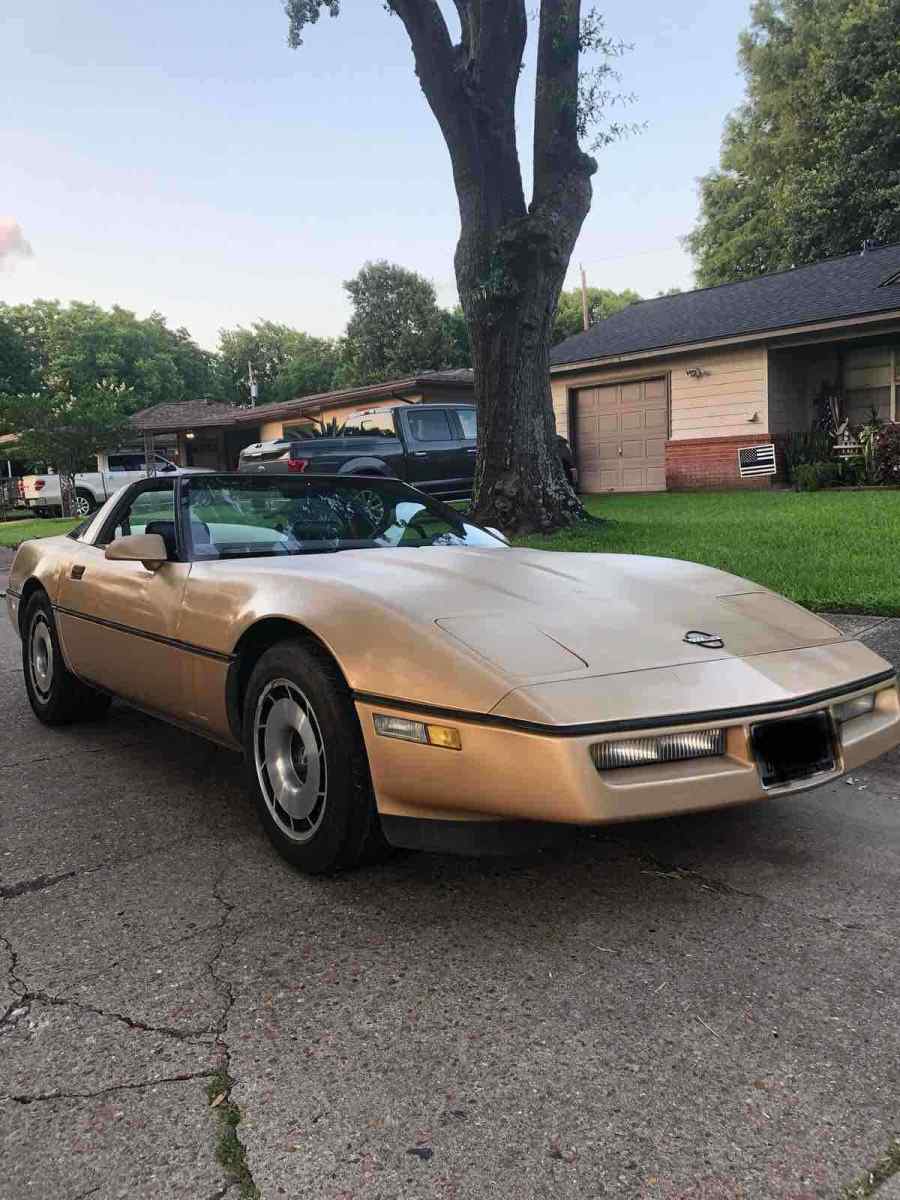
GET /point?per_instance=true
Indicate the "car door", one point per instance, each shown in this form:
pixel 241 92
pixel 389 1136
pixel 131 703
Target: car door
pixel 118 620
pixel 433 448
pixel 467 431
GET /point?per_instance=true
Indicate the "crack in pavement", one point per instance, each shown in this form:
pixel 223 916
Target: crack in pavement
pixel 37 884
pixel 654 866
pixel 185 1077
pixel 40 883
pixel 242 1175
pixel 22 1007
pixel 73 752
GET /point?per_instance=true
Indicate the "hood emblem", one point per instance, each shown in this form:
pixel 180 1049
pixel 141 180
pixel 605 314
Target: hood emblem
pixel 696 637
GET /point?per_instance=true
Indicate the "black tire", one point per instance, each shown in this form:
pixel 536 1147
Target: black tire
pixel 341 829
pixel 56 696
pixel 85 503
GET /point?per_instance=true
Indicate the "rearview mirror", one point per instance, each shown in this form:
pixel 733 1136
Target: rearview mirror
pixel 146 548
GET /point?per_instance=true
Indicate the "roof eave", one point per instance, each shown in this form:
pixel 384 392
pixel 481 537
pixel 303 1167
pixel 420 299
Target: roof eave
pixel 751 336
pixel 340 399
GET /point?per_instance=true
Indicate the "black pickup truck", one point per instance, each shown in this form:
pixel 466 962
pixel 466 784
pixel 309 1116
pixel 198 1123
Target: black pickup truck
pixel 431 446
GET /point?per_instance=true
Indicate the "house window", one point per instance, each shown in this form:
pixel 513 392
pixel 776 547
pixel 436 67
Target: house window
pixel 870 383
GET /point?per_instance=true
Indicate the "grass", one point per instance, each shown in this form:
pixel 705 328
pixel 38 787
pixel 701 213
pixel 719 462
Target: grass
pixel 229 1149
pixel 14 532
pixel 826 550
pixel 868 1184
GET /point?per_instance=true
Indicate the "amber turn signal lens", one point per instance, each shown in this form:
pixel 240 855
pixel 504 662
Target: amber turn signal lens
pixel 444 735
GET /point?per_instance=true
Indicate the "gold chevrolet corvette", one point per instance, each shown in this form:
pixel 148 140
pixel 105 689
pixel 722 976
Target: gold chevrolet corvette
pixel 398 675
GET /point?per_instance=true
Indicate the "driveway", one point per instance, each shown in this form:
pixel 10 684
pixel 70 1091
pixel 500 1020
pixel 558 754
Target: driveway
pixel 694 1009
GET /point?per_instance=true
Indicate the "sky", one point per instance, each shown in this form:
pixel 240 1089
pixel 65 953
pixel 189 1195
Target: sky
pixel 179 157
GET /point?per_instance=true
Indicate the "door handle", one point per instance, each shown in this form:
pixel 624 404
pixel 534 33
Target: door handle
pixel 419 453
pixel 472 451
pixel 77 572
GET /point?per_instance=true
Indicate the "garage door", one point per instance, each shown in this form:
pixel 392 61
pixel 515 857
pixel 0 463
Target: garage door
pixel 620 437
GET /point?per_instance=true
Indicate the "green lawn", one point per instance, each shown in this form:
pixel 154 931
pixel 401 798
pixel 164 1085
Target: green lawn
pixel 826 550
pixel 14 532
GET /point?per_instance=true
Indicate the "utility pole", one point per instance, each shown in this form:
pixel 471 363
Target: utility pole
pixel 585 315
pixel 251 379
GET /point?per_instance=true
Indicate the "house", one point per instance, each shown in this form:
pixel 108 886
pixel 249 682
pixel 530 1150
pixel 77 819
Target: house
pixel 206 433
pixel 665 393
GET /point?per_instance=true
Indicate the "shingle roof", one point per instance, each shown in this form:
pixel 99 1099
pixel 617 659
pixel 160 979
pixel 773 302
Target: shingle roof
pixel 851 286
pixel 189 414
pixel 184 414
pixel 460 377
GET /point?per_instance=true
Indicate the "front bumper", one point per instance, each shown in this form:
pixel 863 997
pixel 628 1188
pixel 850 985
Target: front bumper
pixel 513 772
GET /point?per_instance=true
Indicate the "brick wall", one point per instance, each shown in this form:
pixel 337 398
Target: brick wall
pixel 710 463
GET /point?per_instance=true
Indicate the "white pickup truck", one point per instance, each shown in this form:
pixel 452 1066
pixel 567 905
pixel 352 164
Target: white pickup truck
pixel 42 493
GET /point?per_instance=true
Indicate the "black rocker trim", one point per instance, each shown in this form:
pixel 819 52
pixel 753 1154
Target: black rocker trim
pixel 494 838
pixel 603 727
pixel 187 647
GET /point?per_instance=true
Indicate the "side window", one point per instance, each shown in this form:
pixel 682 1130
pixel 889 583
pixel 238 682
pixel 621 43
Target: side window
pixel 126 462
pixel 468 422
pixel 380 424
pixel 372 424
pixel 430 425
pixel 152 511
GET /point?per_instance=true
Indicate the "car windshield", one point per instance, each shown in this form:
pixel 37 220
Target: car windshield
pixel 248 517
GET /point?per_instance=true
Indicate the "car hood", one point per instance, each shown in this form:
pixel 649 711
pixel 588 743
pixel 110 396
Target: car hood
pixel 542 615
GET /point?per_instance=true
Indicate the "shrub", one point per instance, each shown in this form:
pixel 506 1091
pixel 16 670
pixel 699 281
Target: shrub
pixel 852 472
pixel 887 455
pixel 809 477
pixel 800 449
pixel 806 477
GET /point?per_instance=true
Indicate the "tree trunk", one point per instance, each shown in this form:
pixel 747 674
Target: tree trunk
pixel 512 258
pixel 67 494
pixel 520 485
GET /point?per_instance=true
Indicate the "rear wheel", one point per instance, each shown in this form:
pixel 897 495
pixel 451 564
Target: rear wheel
pixel 84 503
pixel 56 696
pixel 307 761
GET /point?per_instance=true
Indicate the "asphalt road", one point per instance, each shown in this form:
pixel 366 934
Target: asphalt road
pixel 694 1009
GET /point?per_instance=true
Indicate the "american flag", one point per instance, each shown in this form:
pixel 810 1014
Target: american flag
pixel 757 460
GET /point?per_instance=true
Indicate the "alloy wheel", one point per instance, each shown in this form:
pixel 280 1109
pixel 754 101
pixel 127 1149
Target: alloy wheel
pixel 40 656
pixel 289 754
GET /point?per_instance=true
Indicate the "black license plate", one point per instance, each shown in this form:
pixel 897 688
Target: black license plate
pixel 793 749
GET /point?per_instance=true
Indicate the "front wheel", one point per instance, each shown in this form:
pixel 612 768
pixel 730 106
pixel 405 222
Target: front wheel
pixel 307 761
pixel 56 696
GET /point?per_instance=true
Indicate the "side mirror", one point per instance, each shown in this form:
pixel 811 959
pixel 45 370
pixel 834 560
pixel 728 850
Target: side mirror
pixel 497 534
pixel 146 548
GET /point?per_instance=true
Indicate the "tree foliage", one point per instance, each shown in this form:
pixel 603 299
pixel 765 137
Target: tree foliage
pixel 70 349
pixel 810 164
pixel 602 303
pixel 67 428
pixel 396 327
pixel 286 362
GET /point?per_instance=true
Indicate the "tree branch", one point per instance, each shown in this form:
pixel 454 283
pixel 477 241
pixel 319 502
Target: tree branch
pixel 465 25
pixel 556 149
pixel 436 70
pixel 500 30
